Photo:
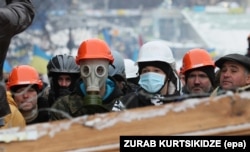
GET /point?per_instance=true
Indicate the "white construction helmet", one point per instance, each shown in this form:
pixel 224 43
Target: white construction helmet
pixel 131 69
pixel 156 50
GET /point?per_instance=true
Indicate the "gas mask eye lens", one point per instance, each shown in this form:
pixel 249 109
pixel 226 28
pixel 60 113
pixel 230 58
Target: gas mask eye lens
pixel 85 71
pixel 100 71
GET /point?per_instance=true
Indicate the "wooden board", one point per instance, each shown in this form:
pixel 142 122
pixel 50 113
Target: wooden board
pixel 224 115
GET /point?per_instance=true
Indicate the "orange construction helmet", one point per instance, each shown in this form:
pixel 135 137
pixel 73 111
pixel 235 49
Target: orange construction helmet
pixel 22 75
pixel 196 58
pixel 94 49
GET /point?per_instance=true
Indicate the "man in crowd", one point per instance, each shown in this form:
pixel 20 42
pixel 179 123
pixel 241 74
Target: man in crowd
pixel 198 69
pixel 63 72
pixel 96 91
pixel 25 85
pixel 234 73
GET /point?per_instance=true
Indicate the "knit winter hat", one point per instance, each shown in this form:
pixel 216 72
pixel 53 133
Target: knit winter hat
pixel 17 87
pixel 161 65
pixel 209 70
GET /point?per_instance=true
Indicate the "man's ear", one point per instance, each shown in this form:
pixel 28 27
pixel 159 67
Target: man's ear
pixel 248 79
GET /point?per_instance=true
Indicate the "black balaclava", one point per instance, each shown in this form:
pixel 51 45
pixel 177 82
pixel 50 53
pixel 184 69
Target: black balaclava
pixel 62 91
pixel 163 66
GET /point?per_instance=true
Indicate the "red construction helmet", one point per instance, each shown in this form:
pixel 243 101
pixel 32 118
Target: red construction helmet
pixel 94 49
pixel 196 58
pixel 24 75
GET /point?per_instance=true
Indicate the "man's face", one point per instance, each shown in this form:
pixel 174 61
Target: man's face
pixel 26 98
pixel 233 75
pixel 198 82
pixel 64 80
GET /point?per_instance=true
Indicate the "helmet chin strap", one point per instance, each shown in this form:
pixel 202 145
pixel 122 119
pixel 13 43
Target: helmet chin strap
pixel 171 88
pixel 163 86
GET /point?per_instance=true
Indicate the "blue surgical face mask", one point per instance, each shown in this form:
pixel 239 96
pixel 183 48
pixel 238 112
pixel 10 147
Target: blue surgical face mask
pixel 152 82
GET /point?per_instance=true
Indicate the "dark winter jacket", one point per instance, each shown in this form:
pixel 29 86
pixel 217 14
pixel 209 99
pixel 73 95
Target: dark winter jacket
pixel 75 103
pixel 130 87
pixel 15 17
pixel 140 98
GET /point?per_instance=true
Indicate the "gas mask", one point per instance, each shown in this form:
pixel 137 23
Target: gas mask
pixel 94 74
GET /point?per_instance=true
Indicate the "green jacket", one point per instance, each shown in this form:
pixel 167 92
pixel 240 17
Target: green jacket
pixel 74 105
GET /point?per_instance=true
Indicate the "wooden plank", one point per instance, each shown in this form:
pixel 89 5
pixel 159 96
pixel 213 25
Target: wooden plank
pixel 205 116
